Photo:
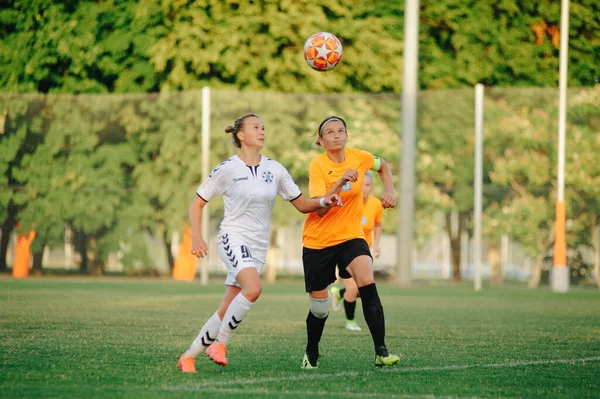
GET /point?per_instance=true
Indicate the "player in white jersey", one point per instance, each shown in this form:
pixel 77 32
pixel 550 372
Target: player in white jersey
pixel 249 183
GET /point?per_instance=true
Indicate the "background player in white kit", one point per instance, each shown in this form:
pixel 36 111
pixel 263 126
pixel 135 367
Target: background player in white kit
pixel 249 183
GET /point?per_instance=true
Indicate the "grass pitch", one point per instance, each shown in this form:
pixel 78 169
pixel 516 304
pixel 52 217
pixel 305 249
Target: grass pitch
pixel 114 338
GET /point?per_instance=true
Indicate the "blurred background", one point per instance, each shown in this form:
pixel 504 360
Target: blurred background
pixel 101 125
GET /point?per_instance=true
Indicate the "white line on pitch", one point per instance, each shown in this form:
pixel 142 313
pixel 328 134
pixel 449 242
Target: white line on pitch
pixel 269 392
pixel 309 376
pixel 492 365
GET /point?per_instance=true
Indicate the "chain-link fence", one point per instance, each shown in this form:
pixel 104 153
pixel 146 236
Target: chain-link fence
pixel 106 180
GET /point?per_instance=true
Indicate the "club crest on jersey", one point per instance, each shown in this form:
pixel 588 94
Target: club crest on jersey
pixel 363 221
pixel 267 176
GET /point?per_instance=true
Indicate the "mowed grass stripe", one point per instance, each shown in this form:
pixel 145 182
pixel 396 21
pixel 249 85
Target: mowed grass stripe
pixel 325 394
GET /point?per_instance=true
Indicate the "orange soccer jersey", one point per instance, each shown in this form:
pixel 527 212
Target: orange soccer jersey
pixel 339 224
pixel 372 214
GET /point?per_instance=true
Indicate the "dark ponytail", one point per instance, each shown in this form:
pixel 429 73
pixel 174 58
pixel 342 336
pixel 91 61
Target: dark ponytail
pixel 237 125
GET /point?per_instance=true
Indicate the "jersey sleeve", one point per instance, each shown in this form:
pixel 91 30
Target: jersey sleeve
pixel 316 183
pixel 368 159
pixel 215 184
pixel 287 188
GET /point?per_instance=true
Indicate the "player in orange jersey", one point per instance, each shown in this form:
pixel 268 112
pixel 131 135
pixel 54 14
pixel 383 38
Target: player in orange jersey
pixel 335 237
pixel 371 222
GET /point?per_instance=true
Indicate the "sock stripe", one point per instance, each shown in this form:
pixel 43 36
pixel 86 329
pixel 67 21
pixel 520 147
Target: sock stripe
pixel 234 320
pixel 204 338
pixel 237 310
pixel 207 339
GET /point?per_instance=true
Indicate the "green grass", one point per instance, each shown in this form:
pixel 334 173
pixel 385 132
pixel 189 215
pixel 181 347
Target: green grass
pixel 108 338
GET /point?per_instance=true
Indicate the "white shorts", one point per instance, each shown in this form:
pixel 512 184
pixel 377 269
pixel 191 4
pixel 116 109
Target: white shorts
pixel 238 252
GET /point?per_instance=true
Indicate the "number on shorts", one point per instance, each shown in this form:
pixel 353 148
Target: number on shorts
pixel 245 252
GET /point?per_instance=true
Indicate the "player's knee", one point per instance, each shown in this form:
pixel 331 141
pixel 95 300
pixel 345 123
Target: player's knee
pixel 319 307
pixel 351 293
pixel 364 279
pixel 252 292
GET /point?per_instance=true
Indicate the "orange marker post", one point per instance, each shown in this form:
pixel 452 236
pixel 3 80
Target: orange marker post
pixel 185 262
pixel 23 255
pixel 560 241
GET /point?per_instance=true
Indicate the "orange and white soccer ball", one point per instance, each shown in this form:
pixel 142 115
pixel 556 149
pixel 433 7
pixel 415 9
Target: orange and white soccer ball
pixel 322 51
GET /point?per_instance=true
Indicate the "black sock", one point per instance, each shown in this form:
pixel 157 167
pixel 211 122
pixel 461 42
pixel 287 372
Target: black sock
pixel 314 330
pixel 350 307
pixel 373 312
pixel 342 293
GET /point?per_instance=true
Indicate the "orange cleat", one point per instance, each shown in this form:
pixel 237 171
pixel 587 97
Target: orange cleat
pixel 186 364
pixel 216 352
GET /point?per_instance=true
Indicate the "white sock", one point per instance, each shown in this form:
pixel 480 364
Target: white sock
pixel 207 335
pixel 237 310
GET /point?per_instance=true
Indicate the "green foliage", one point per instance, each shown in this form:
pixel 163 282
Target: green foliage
pixel 112 167
pixel 521 148
pixel 11 147
pixel 518 147
pixel 253 46
pixel 445 144
pixel 77 174
pixel 21 126
pixel 582 174
pixel 84 46
pixel 78 46
pixel 505 43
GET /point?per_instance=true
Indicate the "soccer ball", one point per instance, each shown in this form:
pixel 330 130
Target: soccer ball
pixel 322 51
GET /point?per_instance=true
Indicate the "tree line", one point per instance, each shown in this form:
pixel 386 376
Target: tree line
pixel 95 154
pixel 120 46
pixel 111 167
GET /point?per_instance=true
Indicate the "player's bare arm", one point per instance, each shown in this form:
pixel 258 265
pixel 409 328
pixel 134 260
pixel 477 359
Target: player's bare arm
pixel 307 205
pixel 199 246
pixel 349 175
pixel 388 199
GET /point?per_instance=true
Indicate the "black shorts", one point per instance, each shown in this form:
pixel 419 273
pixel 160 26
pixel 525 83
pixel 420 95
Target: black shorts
pixel 319 264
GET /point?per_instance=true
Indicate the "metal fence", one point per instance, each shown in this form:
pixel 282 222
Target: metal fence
pixel 109 178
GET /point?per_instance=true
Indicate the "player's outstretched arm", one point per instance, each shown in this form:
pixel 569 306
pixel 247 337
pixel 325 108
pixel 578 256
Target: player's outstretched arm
pixel 349 175
pixel 307 205
pixel 388 199
pixel 199 246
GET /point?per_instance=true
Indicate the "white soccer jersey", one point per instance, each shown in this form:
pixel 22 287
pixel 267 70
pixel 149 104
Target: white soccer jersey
pixel 249 194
